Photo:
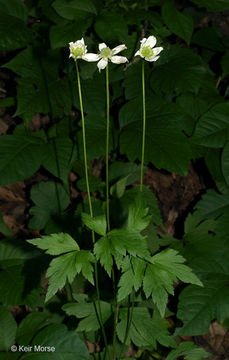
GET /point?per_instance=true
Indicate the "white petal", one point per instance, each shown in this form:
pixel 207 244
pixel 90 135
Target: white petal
pixel 71 43
pixel 157 50
pixel 119 59
pixel 90 57
pixel 118 48
pixel 102 46
pixel 143 41
pixel 151 41
pixel 137 53
pixel 82 41
pixel 153 58
pixel 102 64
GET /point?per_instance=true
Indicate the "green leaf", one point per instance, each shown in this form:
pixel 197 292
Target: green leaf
pixel 98 224
pixel 8 329
pixel 7 102
pixel 179 70
pixel 96 184
pixel 212 129
pixel 74 10
pixel 96 136
pixel 58 157
pixel 225 162
pixel 14 8
pixel 213 161
pixel 61 35
pixel 132 276
pixel 4 229
pixel 87 312
pixel 15 252
pixel 103 251
pixel 119 170
pixel 13 37
pixel 208 38
pixel 197 307
pixel 49 198
pixel 128 240
pixel 162 141
pixel 55 244
pixel 149 198
pixel 118 242
pixel 30 325
pixel 93 92
pixel 40 88
pixel 20 157
pixel 66 267
pixel 224 64
pixel 19 288
pixel 144 330
pixel 189 350
pixel 67 345
pixel 213 204
pixel 111 26
pixel 138 217
pixel 213 5
pixel 177 22
pixel 167 267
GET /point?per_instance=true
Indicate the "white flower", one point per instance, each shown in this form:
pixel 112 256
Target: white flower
pixel 147 50
pixel 107 54
pixel 77 49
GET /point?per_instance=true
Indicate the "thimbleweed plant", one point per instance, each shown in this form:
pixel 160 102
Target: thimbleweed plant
pixel 142 276
pixel 149 53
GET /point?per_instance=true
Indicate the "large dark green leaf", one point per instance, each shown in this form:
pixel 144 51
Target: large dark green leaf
pixel 197 306
pixel 50 199
pixel 19 288
pixel 67 345
pixel 8 329
pixel 95 136
pixel 20 157
pixel 213 5
pixel 179 70
pixel 30 325
pixel 14 8
pixel 166 147
pixel 15 252
pixel 177 22
pixel 74 10
pixel 62 34
pixel 225 163
pixel 212 128
pixel 58 157
pixel 13 33
pixel 40 89
pixel 111 26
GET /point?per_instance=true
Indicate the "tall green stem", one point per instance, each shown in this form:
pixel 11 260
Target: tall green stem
pixel 107 149
pixel 144 124
pixel 108 205
pixel 84 147
pixel 90 203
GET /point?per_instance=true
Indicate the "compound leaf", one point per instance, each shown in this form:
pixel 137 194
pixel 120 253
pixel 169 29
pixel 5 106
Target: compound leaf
pixel 55 244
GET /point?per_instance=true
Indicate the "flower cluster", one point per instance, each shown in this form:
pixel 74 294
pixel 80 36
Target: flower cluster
pixel 78 50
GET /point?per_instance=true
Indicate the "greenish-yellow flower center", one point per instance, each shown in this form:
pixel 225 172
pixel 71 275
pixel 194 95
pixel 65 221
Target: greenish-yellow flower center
pixel 106 52
pixel 147 52
pixel 78 51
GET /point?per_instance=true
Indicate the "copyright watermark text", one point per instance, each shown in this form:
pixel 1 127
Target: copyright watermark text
pixel 33 348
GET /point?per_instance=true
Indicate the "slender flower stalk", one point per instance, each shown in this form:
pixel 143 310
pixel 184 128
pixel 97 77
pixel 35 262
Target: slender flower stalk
pixel 107 149
pixel 150 53
pixel 143 124
pixel 78 51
